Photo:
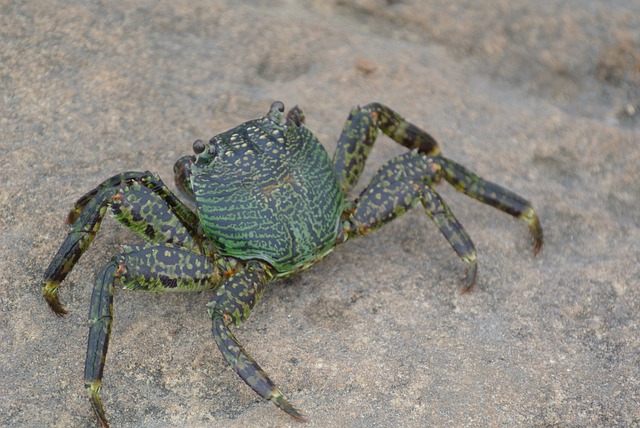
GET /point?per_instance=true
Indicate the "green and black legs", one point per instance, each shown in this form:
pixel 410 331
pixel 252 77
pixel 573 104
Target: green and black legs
pixel 138 200
pixel 165 267
pixel 271 203
pixel 410 178
pixel 175 258
pixel 231 305
pixel 171 260
pixel 150 267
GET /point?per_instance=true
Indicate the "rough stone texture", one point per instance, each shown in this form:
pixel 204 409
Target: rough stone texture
pixel 543 99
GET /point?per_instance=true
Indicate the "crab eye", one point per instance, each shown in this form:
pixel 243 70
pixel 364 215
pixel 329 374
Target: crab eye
pixel 277 105
pixel 198 147
pixel 205 152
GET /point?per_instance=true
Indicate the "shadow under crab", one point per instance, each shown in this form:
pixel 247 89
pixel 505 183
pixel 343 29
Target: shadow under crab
pixel 269 204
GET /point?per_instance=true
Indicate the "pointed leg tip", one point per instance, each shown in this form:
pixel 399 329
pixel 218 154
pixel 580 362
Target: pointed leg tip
pixel 61 312
pixel 280 401
pixel 93 389
pixel 535 229
pixel 50 293
pixel 298 416
pixel 537 236
pixel 301 418
pixel 471 277
pixel 537 246
pixel 58 308
pixel 467 289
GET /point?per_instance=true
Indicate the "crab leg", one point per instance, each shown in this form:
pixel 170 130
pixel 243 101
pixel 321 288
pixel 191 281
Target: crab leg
pixel 147 268
pixel 232 304
pixel 453 231
pixel 138 200
pixel 400 184
pixel 100 320
pixel 361 131
pixel 468 182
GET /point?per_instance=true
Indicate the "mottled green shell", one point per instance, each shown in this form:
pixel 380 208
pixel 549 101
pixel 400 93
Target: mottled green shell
pixel 268 191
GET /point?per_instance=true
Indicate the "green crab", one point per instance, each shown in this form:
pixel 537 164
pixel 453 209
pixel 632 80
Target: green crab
pixel 269 203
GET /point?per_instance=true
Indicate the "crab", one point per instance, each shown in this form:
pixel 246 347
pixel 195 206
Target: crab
pixel 269 203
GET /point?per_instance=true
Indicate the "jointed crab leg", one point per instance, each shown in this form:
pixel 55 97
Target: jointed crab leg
pixel 153 267
pixel 232 304
pixel 100 320
pixel 360 133
pixel 354 146
pixel 452 230
pixel 401 183
pixel 468 182
pixel 140 201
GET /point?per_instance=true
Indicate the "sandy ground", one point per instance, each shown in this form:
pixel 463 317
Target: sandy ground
pixel 542 99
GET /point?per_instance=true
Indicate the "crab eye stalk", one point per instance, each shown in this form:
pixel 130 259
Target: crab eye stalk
pixel 205 152
pixel 198 147
pixel 295 116
pixel 276 112
pixel 277 105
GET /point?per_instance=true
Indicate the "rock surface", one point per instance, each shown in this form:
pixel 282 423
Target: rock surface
pixel 543 99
